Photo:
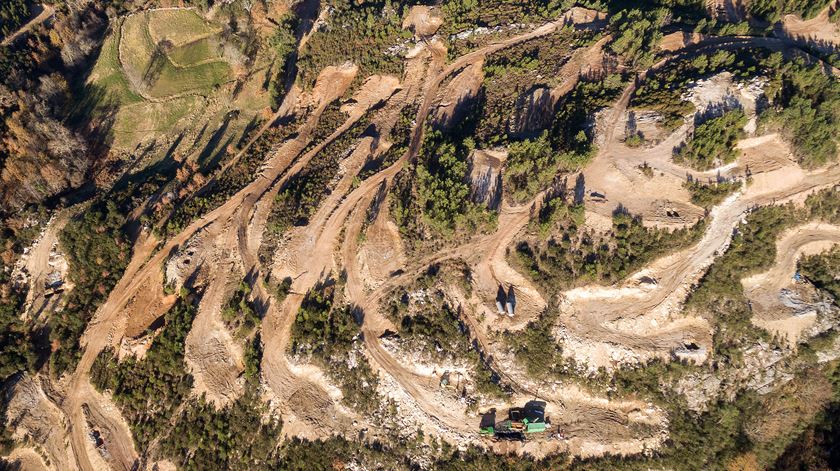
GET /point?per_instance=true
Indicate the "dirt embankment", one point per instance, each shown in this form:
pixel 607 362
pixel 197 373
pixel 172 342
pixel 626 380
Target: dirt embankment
pixel 819 32
pixel 36 419
pixel 423 20
pixel 43 269
pixel 779 303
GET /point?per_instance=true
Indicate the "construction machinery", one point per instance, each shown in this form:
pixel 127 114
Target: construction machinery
pixel 520 424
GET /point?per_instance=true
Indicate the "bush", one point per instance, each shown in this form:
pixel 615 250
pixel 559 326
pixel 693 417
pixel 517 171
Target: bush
pixel 238 314
pixel 663 91
pixel 574 257
pixel 713 141
pixel 773 10
pixel 97 252
pixel 13 13
pixel 806 109
pixel 707 195
pixel 332 337
pixel 441 180
pixel 242 436
pixel 149 391
pixel 566 147
pixel 636 34
pixel 822 270
pixel 357 33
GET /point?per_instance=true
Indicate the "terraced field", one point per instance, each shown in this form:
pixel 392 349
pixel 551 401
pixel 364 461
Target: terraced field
pixel 156 67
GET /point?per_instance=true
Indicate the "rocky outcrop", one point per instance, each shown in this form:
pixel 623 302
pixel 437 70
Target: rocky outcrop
pixel 532 112
pixel 486 178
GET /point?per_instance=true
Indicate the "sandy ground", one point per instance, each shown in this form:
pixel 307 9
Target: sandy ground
pixel 44 268
pixel 661 199
pixel 763 289
pixel 423 21
pixel 36 417
pixel 818 31
pixel 212 355
pixel 103 416
pixel 27 459
pixel 679 40
pixel 457 93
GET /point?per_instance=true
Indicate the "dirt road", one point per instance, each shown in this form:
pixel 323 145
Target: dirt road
pixel 47 12
pixel 603 315
pixel 763 288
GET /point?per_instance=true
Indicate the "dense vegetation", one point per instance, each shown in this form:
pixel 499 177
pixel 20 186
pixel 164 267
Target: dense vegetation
pixel 16 350
pixel 283 44
pixel 822 271
pixel 434 192
pixel 773 10
pixel 713 141
pixel 304 192
pixel 752 250
pixel 13 13
pixel 150 391
pixel 710 194
pixel 198 201
pixel 805 101
pixel 806 108
pixel 238 313
pixel 663 90
pixel 241 436
pixel 566 146
pixel 47 142
pixel 441 181
pixel 573 255
pixel 537 348
pixel 361 34
pixel 434 327
pixel 466 14
pixel 816 447
pixel 331 335
pixel 637 32
pixel 515 98
pixel 98 251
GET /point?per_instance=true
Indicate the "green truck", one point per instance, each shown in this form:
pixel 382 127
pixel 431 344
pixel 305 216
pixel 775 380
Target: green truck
pixel 519 425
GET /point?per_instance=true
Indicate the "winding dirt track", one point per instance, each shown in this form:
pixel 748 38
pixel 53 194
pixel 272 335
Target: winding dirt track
pixel 594 312
pixel 763 288
pixel 246 211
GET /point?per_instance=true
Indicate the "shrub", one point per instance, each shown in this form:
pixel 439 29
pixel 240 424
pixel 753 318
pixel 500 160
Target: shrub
pixel 713 141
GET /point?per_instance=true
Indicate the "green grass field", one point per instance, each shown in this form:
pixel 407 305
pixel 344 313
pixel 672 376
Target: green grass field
pixel 194 65
pixel 195 52
pixel 108 74
pixel 153 102
pixel 179 26
pixel 138 120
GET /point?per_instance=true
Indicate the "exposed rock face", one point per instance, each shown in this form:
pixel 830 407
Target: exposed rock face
pixel 459 96
pixel 532 113
pixel 185 262
pixel 486 178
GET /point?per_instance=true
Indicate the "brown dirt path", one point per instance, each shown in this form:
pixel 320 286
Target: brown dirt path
pixel 47 12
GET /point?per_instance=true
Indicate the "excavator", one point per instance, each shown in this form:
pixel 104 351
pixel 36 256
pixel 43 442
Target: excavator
pixel 521 423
